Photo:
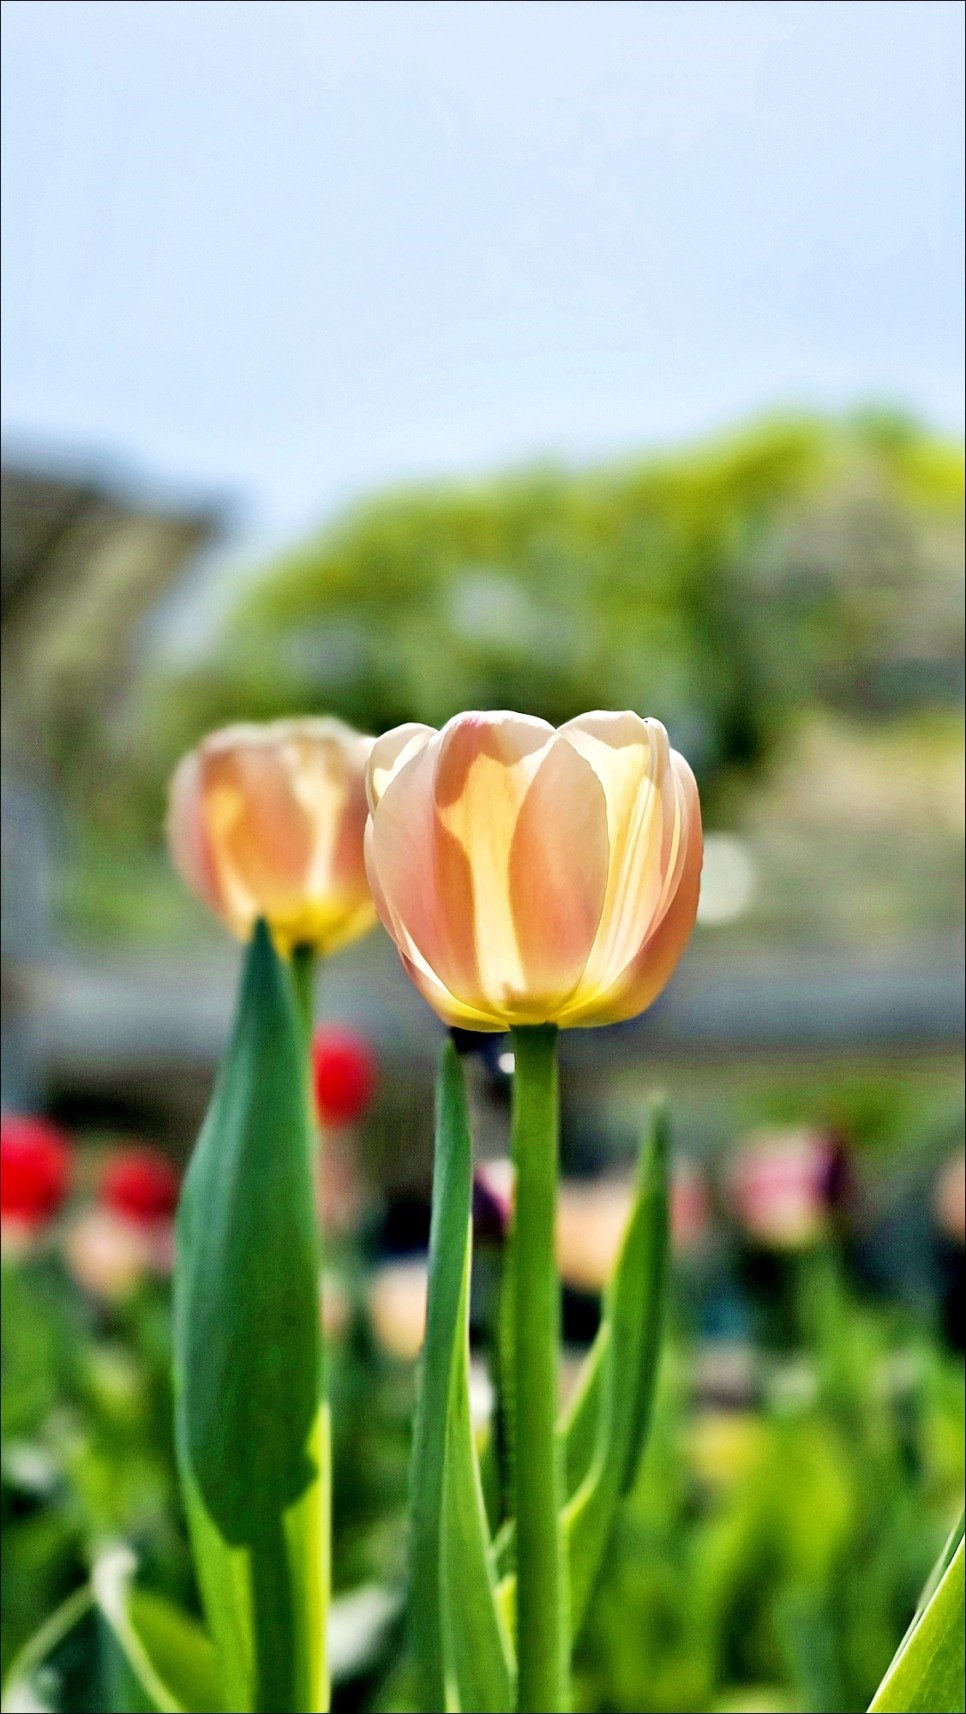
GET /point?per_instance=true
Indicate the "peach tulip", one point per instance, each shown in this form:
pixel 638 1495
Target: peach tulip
pixel 108 1255
pixel 268 821
pixel 398 1293
pixel 534 875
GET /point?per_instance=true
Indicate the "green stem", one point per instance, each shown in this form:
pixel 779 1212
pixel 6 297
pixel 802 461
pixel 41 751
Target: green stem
pixel 303 981
pixel 542 1648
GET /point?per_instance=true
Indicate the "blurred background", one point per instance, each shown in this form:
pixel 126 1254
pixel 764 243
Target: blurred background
pixel 391 358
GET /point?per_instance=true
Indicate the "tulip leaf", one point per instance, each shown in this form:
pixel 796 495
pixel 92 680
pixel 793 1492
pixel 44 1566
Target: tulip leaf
pixel 927 1674
pixel 579 1426
pixel 461 1649
pixel 627 1369
pixel 252 1433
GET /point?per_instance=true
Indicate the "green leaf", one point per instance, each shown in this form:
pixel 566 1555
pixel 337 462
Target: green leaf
pixel 460 1647
pixel 927 1674
pixel 478 1647
pixel 579 1427
pixel 181 1654
pixel 627 1371
pixel 251 1429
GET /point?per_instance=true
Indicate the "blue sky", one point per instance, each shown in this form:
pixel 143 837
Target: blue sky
pixel 289 252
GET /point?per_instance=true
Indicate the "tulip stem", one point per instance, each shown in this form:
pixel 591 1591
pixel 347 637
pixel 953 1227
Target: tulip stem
pixel 303 982
pixel 542 1645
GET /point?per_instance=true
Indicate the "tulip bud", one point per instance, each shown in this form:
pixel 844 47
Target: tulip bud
pixel 493 1183
pixel 530 875
pixel 268 821
pixel 35 1169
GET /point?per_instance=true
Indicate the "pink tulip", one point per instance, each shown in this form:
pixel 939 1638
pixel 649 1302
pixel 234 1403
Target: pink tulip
pixel 530 875
pixel 778 1186
pixel 268 821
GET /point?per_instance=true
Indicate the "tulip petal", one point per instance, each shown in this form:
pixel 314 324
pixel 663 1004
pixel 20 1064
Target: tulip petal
pixel 642 979
pixel 390 753
pixel 558 876
pixel 420 877
pixel 486 764
pixel 187 839
pixel 630 757
pixel 260 834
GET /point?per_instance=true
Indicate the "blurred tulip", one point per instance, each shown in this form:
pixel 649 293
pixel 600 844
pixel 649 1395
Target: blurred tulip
pixel 690 1208
pixel 530 875
pixel 493 1199
pixel 267 821
pixel 141 1185
pixel 397 1305
pixel 335 1306
pixel 344 1071
pixel 592 1216
pixel 949 1199
pixel 35 1171
pixel 779 1187
pixel 107 1255
pixel 338 1186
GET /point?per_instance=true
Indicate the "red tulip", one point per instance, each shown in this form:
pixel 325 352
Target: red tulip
pixel 140 1185
pixel 35 1169
pixel 344 1071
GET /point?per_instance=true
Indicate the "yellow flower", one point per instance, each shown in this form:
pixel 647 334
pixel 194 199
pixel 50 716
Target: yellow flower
pixel 530 875
pixel 268 821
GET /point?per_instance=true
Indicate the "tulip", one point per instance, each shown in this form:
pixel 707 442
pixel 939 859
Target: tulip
pixel 339 1189
pixel 140 1184
pixel 530 875
pixel 532 879
pixel 949 1199
pixel 778 1186
pixel 690 1208
pixel 344 1074
pixel 397 1306
pixel 268 821
pixel 592 1218
pixel 35 1171
pixel 107 1255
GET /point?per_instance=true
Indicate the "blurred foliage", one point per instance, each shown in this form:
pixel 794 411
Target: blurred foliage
pixel 769 1557
pixel 88 1451
pixel 717 588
